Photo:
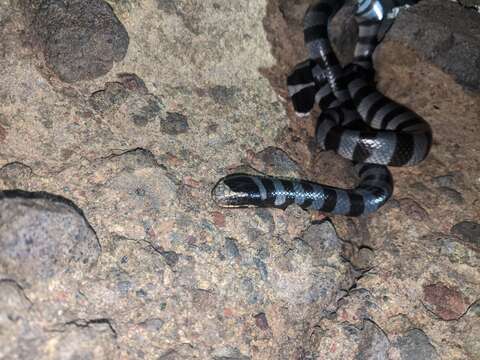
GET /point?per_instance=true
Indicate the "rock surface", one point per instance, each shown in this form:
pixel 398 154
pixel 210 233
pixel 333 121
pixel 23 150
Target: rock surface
pixel 80 39
pixel 43 236
pixel 201 93
pixel 432 28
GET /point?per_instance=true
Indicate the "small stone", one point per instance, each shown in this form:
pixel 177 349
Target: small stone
pixel 231 248
pixel 141 293
pixel 144 109
pixel 449 180
pixel 171 258
pixel 189 181
pixel 261 321
pixel 415 345
pixel 452 195
pixel 174 124
pixel 447 303
pixel 457 251
pixel 133 83
pixel 468 230
pixel 413 209
pixel 223 94
pixel 263 253
pixel 80 38
pixel 14 173
pixel 154 324
pixel 114 94
pixel 169 6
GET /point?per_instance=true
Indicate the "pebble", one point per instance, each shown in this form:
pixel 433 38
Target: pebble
pixel 223 94
pixel 154 324
pixel 113 95
pixel 231 248
pixel 14 173
pixel 468 230
pixel 144 109
pixel 413 209
pixel 133 82
pixel 446 302
pixel 170 257
pixel 174 124
pixel 449 180
pixel 452 195
pixel 261 321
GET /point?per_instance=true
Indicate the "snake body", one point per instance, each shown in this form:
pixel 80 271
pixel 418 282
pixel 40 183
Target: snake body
pixel 357 122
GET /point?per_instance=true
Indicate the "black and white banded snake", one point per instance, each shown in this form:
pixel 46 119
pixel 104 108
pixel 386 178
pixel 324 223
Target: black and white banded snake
pixel 357 122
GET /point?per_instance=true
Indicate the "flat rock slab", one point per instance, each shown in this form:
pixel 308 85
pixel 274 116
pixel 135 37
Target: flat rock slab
pixel 42 235
pixel 81 39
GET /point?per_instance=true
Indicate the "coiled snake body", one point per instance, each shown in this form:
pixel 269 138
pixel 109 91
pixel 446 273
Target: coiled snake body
pixel 357 122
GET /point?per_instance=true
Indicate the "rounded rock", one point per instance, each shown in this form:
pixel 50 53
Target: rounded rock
pixel 80 39
pixel 42 235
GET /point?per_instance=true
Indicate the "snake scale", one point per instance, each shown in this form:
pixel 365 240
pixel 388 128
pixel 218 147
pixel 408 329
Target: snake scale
pixel 356 121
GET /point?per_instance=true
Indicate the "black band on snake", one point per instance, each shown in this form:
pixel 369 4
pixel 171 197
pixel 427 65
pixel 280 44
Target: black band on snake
pixel 357 122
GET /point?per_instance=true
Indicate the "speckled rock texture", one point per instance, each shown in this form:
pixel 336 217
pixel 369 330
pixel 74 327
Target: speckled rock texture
pixel 42 236
pixel 80 39
pixel 111 247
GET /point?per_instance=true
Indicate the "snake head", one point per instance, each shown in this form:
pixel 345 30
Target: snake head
pixel 237 190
